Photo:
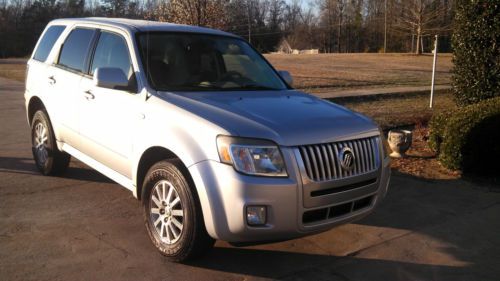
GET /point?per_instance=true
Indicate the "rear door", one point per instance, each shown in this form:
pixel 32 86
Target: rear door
pixel 108 117
pixel 64 82
pixel 37 81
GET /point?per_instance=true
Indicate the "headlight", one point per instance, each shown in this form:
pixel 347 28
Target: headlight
pixel 384 143
pixel 252 156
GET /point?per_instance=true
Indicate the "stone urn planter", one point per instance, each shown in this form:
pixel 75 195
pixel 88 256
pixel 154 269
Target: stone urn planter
pixel 399 142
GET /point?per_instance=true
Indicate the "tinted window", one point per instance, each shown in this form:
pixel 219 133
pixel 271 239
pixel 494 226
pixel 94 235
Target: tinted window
pixel 47 42
pixel 111 51
pixel 75 49
pixel 202 62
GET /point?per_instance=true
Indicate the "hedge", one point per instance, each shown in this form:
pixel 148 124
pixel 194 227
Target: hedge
pixel 469 138
pixel 476 50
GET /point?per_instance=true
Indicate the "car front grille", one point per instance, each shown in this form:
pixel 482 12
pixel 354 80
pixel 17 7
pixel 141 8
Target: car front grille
pixel 322 161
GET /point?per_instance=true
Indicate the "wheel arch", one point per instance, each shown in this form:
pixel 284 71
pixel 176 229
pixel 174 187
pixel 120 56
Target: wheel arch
pixel 34 105
pixel 155 154
pixel 151 156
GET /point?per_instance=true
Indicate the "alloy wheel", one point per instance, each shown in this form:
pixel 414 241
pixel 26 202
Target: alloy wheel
pixel 40 143
pixel 166 213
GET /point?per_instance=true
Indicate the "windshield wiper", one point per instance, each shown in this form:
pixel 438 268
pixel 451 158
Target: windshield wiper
pixel 214 87
pixel 251 87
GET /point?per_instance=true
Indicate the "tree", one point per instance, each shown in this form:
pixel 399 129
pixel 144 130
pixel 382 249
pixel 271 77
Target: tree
pixel 421 18
pixel 276 8
pixel 476 51
pixel 209 13
pixel 74 8
pixel 156 11
pixel 333 17
pixel 331 25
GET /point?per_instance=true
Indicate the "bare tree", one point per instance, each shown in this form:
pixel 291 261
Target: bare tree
pixel 340 5
pixel 333 13
pixel 209 13
pixel 156 10
pixel 420 18
pixel 292 15
pixel 276 9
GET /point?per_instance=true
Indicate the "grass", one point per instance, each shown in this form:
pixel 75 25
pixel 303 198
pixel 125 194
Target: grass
pixel 13 69
pixel 391 111
pixel 327 72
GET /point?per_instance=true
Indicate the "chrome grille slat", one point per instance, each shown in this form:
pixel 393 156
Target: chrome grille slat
pixel 368 162
pixel 375 151
pixel 363 160
pixel 370 153
pixel 336 148
pixel 305 159
pixel 314 163
pixel 327 161
pixel 332 160
pixel 359 167
pixel 322 163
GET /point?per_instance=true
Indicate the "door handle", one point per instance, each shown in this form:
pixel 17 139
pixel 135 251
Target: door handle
pixel 52 80
pixel 88 95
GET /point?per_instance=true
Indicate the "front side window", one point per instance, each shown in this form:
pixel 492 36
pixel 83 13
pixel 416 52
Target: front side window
pixel 47 42
pixel 75 49
pixel 190 61
pixel 112 51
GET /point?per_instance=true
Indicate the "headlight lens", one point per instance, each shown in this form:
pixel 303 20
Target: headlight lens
pixel 252 157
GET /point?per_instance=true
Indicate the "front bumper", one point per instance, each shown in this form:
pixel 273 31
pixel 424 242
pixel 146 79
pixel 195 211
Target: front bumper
pixel 225 193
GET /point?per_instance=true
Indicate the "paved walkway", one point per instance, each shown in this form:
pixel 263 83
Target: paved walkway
pixel 378 91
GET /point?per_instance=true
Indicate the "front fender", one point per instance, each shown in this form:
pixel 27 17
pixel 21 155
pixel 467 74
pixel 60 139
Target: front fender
pixel 178 142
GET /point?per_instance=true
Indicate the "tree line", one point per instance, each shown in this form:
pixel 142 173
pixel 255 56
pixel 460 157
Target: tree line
pixel 339 26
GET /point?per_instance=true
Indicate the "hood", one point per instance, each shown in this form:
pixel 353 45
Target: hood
pixel 288 118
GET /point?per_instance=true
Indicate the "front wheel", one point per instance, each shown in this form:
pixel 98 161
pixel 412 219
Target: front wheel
pixel 172 213
pixel 48 159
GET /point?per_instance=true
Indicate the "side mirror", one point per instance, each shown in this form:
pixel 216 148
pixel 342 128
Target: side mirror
pixel 111 78
pixel 287 77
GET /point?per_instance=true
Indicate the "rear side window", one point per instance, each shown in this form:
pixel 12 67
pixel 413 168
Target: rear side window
pixel 47 42
pixel 74 51
pixel 111 51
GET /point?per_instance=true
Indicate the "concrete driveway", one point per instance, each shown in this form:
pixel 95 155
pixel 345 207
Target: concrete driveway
pixel 85 227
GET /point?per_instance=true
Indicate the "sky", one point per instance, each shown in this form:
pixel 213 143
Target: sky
pixel 304 3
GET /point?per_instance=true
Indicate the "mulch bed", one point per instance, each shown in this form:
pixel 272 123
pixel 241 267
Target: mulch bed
pixel 421 161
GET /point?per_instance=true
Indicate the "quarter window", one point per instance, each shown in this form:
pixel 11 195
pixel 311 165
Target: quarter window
pixel 75 49
pixel 112 51
pixel 47 42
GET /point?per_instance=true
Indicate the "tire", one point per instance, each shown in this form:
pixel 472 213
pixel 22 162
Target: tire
pixel 48 159
pixel 172 213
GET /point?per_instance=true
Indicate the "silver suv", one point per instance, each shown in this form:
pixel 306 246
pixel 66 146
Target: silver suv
pixel 203 130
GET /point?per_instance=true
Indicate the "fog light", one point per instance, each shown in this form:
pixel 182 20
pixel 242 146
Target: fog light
pixel 256 215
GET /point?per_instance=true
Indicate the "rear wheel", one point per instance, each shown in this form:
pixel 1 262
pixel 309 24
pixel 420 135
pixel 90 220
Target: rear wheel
pixel 172 213
pixel 48 159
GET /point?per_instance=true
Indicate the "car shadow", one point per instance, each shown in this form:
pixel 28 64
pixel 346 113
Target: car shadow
pixel 302 266
pixel 450 217
pixel 76 170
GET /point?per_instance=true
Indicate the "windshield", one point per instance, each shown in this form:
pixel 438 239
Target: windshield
pixel 193 62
